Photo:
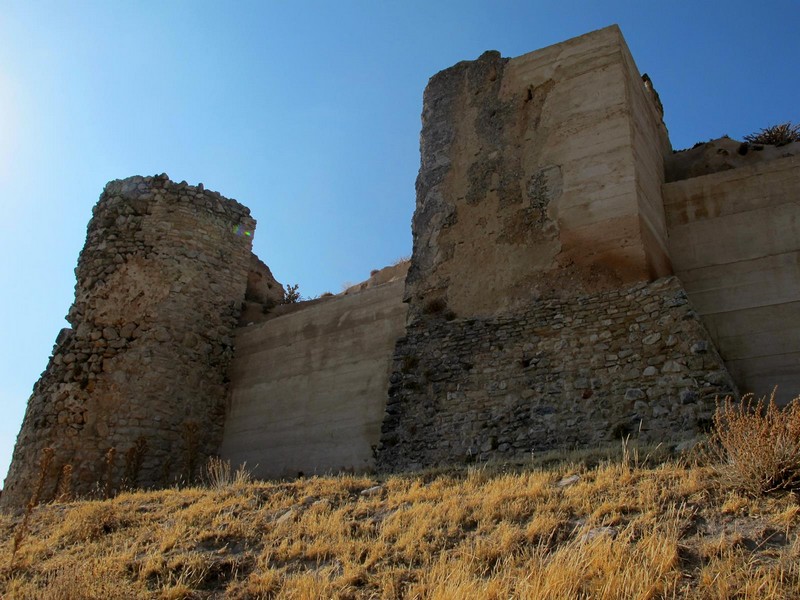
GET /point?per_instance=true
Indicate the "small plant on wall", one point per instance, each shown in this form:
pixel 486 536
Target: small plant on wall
pixel 292 295
pixel 776 135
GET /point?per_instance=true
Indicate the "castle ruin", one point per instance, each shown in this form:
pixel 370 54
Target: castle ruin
pixel 572 281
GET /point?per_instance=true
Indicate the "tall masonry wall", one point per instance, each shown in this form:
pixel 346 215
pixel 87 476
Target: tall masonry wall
pixel 534 321
pixel 529 182
pixel 561 373
pixel 308 388
pixel 735 244
pixel 559 294
pixel 143 367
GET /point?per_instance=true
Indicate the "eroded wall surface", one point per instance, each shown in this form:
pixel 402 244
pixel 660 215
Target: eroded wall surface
pixel 563 373
pixel 535 321
pixel 142 370
pixel 308 388
pixel 735 244
pixel 529 184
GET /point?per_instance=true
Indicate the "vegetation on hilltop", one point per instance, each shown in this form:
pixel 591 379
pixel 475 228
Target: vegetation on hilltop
pixel 617 529
pixel 775 135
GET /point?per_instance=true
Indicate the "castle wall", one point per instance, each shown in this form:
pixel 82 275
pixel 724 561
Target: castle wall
pixel 535 322
pixel 562 373
pixel 529 184
pixel 650 145
pixel 142 369
pixel 538 309
pixel 735 244
pixel 308 388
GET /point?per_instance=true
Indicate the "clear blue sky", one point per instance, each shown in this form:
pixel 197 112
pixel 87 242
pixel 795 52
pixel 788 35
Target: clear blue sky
pixel 307 112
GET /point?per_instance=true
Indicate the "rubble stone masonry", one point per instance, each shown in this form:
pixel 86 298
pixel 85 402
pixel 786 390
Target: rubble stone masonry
pixel 142 370
pixel 562 373
pixel 550 300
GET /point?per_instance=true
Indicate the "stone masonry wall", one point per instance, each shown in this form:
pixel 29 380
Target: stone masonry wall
pixel 562 373
pixel 143 368
pixel 540 176
pixel 534 320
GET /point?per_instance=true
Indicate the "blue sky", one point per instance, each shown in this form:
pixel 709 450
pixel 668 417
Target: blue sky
pixel 307 112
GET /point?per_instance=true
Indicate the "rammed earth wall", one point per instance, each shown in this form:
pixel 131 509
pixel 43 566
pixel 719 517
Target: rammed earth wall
pixel 143 369
pixel 540 175
pixel 535 322
pixel 561 373
pixel 735 243
pixel 308 388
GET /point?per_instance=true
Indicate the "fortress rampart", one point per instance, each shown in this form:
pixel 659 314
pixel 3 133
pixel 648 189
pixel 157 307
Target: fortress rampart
pixel 572 281
pixel 143 369
pixel 564 372
pixel 734 239
pixel 325 370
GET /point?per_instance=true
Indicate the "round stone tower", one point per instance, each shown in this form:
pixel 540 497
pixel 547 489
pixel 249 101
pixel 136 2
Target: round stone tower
pixel 134 393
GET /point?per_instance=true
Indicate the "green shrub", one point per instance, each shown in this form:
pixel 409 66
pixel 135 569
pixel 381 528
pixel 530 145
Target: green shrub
pixel 756 445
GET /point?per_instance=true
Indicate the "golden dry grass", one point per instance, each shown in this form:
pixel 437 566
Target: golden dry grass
pixel 756 444
pixel 669 531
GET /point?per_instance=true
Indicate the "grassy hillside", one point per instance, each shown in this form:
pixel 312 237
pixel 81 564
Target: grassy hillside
pixel 571 531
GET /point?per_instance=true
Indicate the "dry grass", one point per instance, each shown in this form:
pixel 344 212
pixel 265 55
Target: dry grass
pixel 777 135
pixel 619 531
pixel 219 474
pixel 756 445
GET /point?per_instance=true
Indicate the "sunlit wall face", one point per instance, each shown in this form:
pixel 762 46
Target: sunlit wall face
pixel 308 113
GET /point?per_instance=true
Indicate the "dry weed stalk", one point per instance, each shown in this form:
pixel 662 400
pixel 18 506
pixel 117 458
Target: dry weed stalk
pixel 757 444
pixel 64 493
pixel 108 472
pixel 218 474
pixel 44 467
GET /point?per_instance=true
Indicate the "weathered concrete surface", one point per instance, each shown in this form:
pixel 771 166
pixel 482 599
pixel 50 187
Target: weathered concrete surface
pixel 735 243
pixel 308 389
pixel 722 154
pixel 529 184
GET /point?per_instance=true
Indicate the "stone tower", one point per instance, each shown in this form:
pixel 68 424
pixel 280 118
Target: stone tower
pixel 142 370
pixel 540 173
pixel 542 313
